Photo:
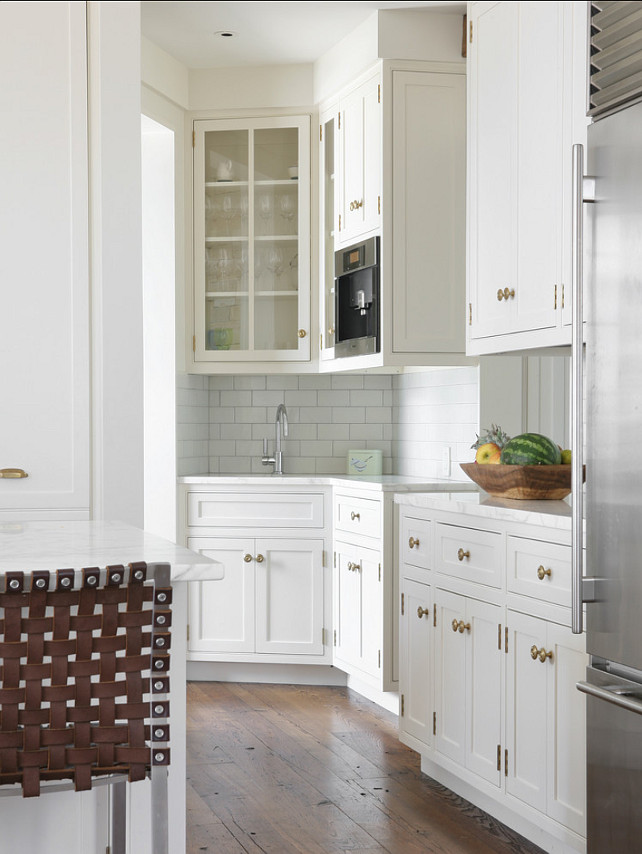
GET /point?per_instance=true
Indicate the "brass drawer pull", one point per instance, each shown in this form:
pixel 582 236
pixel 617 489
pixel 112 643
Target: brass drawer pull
pixel 423 612
pixel 455 625
pixel 463 627
pixel 259 558
pixel 247 558
pixel 356 516
pixel 542 573
pixel 13 473
pixel 505 294
pixel 461 554
pixel 540 653
pixel 412 543
pixel 354 567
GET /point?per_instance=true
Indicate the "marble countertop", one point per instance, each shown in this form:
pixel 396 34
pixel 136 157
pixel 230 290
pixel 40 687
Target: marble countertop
pixel 550 514
pixel 379 483
pixel 25 546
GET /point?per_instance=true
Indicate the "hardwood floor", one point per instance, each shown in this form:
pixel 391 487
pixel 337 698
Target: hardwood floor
pixel 317 770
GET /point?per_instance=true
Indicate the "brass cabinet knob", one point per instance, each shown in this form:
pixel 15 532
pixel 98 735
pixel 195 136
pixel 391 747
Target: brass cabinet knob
pixel 455 625
pixel 260 558
pixel 331 330
pixel 13 473
pixel 354 567
pixel 540 653
pixel 412 543
pixel 461 554
pixel 302 333
pixel 358 205
pixel 356 516
pixel 423 612
pixel 247 558
pixel 505 294
pixel 542 573
pixel 462 627
pixel 351 206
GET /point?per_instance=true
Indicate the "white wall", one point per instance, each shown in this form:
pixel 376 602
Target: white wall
pixel 162 73
pixel 271 87
pixel 116 260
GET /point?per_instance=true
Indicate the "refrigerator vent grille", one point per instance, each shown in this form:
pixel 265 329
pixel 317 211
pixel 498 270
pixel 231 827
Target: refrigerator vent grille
pixel 615 56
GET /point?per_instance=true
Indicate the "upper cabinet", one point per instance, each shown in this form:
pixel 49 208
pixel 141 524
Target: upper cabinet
pixel 526 108
pixel 392 164
pixel 251 241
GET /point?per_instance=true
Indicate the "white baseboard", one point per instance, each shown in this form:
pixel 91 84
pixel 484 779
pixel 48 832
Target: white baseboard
pixel 386 699
pixel 279 674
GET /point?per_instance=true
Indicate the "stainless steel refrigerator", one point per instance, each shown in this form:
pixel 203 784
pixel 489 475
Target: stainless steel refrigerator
pixel 612 588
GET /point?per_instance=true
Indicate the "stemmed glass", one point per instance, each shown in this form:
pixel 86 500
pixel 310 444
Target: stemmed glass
pixel 275 262
pixel 244 211
pixel 228 211
pixel 286 209
pixel 265 210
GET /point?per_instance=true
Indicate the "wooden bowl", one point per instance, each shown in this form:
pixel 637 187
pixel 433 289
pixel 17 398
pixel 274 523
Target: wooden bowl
pixel 548 482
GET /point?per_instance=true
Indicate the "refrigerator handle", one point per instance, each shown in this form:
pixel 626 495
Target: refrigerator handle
pixel 577 385
pixel 617 696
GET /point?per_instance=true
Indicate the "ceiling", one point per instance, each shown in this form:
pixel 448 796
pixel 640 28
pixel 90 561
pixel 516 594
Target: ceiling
pixel 266 33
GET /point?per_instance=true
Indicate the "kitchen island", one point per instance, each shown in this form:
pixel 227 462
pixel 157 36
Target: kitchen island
pixel 67 822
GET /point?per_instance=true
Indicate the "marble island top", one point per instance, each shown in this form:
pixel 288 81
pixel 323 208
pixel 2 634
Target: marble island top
pixel 25 546
pixel 550 514
pixel 379 483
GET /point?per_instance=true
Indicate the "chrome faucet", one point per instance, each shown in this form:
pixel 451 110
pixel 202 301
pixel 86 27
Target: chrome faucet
pixel 281 427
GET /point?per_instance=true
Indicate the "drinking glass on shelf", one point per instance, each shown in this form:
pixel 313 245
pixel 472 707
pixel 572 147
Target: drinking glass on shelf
pixel 265 211
pixel 286 210
pixel 228 211
pixel 244 207
pixel 275 261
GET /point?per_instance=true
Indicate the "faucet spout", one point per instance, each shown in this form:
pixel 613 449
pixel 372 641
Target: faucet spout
pixel 281 430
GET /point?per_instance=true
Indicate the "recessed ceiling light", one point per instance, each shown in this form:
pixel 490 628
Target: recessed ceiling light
pixel 225 34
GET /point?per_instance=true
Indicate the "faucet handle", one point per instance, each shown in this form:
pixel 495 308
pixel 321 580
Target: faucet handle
pixel 265 447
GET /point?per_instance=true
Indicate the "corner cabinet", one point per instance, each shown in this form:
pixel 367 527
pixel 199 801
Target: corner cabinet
pixel 392 163
pixel 251 237
pixel 488 665
pixel 526 108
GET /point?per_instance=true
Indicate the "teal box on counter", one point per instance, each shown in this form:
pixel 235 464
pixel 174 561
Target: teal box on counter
pixel 364 462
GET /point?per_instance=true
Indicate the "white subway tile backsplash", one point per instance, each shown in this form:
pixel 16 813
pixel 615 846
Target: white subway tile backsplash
pixel 222 420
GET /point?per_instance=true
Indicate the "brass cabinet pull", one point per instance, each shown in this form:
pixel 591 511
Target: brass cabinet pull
pixel 247 558
pixel 259 558
pixel 542 573
pixel 461 554
pixel 302 333
pixel 463 627
pixel 331 330
pixel 12 474
pixel 353 567
pixel 455 625
pixel 540 653
pixel 354 206
pixel 505 294
pixel 412 543
pixel 356 516
pixel 423 612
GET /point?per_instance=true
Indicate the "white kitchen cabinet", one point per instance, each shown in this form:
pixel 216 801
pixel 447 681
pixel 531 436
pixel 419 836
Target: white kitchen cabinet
pixel 525 104
pixel 468 666
pixel 44 363
pixel 251 234
pixel 398 157
pixel 359 137
pixel 274 603
pixel 358 613
pixel 545 661
pixel 415 662
pixel 501 728
pixel 270 601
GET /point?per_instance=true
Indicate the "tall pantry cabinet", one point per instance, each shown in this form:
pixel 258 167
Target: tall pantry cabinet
pixel 44 296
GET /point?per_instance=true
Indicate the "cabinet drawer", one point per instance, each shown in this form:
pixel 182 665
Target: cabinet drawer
pixel 358 515
pixel 415 542
pixel 254 509
pixel 469 553
pixel 539 569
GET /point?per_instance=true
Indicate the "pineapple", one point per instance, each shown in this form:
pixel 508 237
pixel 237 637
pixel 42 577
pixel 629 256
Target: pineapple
pixel 495 436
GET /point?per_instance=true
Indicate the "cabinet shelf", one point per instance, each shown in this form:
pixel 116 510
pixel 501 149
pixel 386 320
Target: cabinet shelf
pixel 226 184
pixel 276 293
pixel 225 294
pixel 269 238
pixel 276 182
pixel 226 239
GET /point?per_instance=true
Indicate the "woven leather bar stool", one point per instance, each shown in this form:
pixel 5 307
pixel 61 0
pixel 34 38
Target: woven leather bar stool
pixel 84 685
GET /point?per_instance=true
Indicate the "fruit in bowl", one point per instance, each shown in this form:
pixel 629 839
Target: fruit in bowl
pixel 531 449
pixel 489 445
pixel 488 453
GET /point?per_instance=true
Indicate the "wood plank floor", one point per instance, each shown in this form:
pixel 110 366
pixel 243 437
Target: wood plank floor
pixel 288 769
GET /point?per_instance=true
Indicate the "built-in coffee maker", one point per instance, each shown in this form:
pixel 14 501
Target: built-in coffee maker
pixel 356 295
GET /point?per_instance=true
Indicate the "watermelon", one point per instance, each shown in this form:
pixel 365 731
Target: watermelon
pixel 531 449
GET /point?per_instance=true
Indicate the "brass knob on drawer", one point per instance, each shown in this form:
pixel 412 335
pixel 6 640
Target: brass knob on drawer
pixel 302 333
pixel 542 573
pixel 540 653
pixel 505 294
pixel 462 627
pixel 260 558
pixel 455 625
pixel 353 567
pixel 247 558
pixel 461 554
pixel 423 612
pixel 356 516
pixel 412 543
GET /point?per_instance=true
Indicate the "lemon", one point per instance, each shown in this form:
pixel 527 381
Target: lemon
pixel 566 457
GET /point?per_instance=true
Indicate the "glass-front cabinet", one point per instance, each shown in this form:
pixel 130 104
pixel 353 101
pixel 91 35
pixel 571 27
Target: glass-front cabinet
pixel 252 239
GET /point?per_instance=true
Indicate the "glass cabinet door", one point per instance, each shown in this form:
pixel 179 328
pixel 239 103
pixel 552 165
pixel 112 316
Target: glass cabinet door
pixel 252 239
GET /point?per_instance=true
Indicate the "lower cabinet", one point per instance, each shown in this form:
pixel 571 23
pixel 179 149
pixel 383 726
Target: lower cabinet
pixel 358 609
pixel 488 675
pixel 545 661
pixel 270 600
pixel 468 683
